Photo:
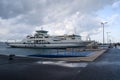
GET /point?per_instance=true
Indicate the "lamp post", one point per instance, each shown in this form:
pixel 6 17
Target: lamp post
pixel 103 23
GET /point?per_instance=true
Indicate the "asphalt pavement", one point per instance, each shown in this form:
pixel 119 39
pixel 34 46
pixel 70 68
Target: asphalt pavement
pixel 105 67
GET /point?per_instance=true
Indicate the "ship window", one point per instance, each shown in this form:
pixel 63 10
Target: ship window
pixel 56 40
pixel 46 36
pixel 29 41
pixel 63 38
pixel 40 37
pixel 73 37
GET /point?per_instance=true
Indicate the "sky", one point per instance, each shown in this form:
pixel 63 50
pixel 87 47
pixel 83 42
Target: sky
pixel 19 18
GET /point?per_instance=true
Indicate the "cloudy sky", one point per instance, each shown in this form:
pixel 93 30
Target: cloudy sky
pixel 19 18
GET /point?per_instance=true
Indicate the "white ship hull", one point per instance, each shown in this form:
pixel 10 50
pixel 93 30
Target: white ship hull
pixel 58 45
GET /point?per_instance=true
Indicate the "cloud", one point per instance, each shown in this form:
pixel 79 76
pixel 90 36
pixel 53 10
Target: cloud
pixel 116 4
pixel 9 29
pixel 19 17
pixel 48 10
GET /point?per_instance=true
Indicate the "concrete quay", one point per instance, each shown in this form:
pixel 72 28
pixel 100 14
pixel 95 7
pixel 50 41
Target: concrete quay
pixel 92 57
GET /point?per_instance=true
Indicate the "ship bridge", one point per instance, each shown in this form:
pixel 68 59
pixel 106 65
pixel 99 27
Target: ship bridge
pixel 41 32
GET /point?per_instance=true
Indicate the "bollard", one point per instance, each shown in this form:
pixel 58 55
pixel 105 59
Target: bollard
pixel 11 56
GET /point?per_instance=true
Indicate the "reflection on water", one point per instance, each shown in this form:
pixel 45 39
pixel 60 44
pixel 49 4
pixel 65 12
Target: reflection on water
pixel 63 63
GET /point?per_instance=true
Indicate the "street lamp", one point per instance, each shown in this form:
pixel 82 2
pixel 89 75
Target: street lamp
pixel 103 23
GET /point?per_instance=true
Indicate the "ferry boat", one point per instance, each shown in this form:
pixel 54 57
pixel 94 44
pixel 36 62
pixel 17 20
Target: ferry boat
pixel 41 39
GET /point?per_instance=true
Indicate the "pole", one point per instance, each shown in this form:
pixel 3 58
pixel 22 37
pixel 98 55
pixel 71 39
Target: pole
pixel 103 31
pixel 108 37
pixel 103 35
pixel 103 23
